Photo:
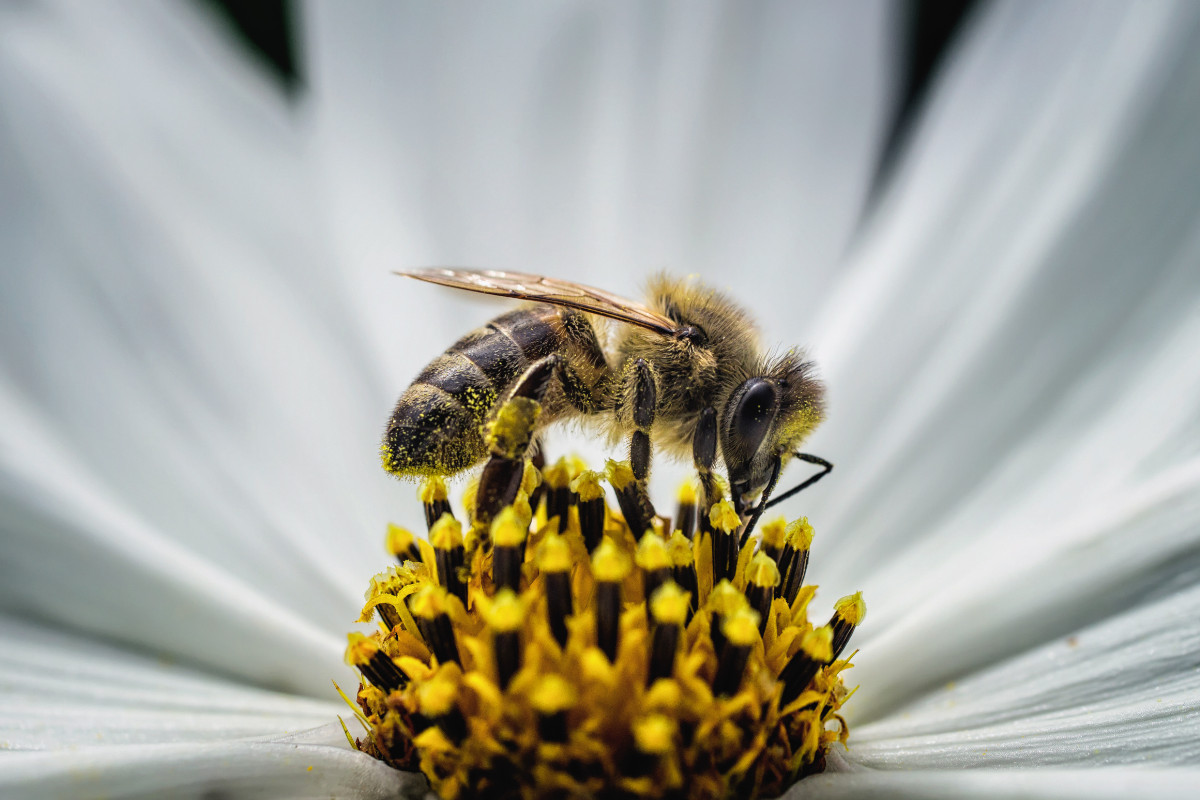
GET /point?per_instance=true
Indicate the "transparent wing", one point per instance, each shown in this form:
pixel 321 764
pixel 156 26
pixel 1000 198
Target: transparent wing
pixel 524 286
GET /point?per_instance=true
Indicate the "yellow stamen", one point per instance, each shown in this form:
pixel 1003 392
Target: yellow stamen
pixel 446 533
pixel 669 605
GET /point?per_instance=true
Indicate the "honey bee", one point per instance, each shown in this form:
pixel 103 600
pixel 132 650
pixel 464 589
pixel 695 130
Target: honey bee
pixel 684 372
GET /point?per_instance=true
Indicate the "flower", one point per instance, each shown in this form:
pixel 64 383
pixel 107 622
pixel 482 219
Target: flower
pixel 188 387
pixel 555 653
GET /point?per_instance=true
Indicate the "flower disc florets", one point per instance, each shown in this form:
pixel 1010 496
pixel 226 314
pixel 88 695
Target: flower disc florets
pixel 559 654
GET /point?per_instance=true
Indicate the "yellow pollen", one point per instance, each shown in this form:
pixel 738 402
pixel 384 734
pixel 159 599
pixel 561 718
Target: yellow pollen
pixel 763 571
pixel 800 534
pixel 360 649
pixel 429 602
pixel 669 604
pixel 437 695
pixel 399 540
pixel 446 533
pixel 468 497
pixel 557 475
pixel 554 554
pixel 652 553
pixel 654 734
pixel 680 548
pixel 620 474
pixel 725 599
pixel 587 485
pixel 509 432
pixel 741 627
pixel 432 489
pixel 609 563
pixel 553 693
pixel 506 612
pixel 851 608
pixel 817 644
pixel 687 493
pixel 508 530
pixel 522 510
pixel 724 518
pixel 530 479
pixel 664 695
pixel 774 533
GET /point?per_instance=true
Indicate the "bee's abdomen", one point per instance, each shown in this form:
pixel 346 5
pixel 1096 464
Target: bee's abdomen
pixel 436 427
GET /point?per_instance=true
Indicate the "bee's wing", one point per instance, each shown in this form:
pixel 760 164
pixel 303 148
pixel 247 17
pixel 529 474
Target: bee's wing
pixel 548 290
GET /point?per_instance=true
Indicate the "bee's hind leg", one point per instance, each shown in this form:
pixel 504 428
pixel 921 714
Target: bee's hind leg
pixel 640 395
pixel 508 433
pixel 510 429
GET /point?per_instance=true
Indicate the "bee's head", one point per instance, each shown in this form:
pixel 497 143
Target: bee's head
pixel 766 417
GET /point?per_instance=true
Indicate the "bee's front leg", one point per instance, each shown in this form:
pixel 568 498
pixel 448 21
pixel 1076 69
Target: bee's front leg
pixel 704 456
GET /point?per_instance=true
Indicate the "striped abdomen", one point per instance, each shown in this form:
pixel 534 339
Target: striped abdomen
pixel 436 427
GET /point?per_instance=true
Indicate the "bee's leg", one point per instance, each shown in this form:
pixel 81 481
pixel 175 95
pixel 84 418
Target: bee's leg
pixel 508 433
pixel 757 510
pixel 645 404
pixel 640 392
pixel 704 455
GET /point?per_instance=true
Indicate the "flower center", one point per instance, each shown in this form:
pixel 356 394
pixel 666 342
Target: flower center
pixel 556 653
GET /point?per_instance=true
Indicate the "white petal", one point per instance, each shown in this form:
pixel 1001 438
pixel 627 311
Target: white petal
pixel 1123 692
pixel 244 769
pixel 1047 784
pixel 1015 353
pixel 193 409
pixel 597 142
pixel 60 691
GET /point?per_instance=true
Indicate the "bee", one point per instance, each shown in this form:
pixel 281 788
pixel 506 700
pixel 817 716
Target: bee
pixel 683 373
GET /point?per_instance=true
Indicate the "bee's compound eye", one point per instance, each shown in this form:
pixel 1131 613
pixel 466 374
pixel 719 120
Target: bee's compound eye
pixel 754 413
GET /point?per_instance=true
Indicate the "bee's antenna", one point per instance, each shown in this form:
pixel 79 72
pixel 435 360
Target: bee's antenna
pixel 811 459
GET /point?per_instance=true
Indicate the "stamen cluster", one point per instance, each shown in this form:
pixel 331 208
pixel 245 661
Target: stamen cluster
pixel 557 654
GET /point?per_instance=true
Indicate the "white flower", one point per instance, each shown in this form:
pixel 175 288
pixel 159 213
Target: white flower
pixel 199 341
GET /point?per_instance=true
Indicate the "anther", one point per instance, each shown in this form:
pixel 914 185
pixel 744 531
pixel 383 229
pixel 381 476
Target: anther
pixel 653 738
pixel 794 561
pixel 364 654
pixel 723 601
pixel 740 631
pixel 430 612
pixel 402 544
pixel 435 499
pixel 587 487
pixel 773 537
pixel 763 577
pixel 631 497
pixel 558 493
pixel 554 563
pixel 848 614
pixel 654 561
pixel 437 702
pixel 725 524
pixel 552 698
pixel 815 652
pixel 668 610
pixel 685 513
pixel 609 568
pixel 508 539
pixel 506 616
pixel 447 540
pixel 683 568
